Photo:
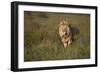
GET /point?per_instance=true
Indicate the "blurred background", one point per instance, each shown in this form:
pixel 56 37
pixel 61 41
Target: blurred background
pixel 42 41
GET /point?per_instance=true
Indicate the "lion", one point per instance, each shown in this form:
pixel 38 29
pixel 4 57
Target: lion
pixel 65 33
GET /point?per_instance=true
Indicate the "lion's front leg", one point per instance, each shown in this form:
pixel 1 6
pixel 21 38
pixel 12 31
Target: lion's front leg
pixel 69 42
pixel 65 45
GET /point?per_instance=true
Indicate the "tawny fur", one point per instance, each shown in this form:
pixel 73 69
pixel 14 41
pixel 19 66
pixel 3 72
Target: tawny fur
pixel 65 34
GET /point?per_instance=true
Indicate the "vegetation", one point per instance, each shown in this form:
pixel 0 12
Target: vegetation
pixel 42 41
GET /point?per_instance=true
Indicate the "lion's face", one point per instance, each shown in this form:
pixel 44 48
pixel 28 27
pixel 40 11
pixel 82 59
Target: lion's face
pixel 64 28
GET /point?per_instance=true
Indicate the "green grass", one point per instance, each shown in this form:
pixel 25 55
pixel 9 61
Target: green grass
pixel 42 41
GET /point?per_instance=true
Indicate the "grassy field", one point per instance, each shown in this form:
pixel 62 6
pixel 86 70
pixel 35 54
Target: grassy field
pixel 42 41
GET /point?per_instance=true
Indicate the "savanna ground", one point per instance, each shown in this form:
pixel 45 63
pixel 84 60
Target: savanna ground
pixel 42 41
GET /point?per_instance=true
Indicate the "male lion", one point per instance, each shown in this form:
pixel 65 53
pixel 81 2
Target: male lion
pixel 65 33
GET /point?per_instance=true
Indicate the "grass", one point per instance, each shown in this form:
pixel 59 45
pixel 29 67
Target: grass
pixel 42 41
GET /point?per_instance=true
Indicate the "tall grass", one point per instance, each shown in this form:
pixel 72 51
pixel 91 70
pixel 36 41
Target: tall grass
pixel 42 41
